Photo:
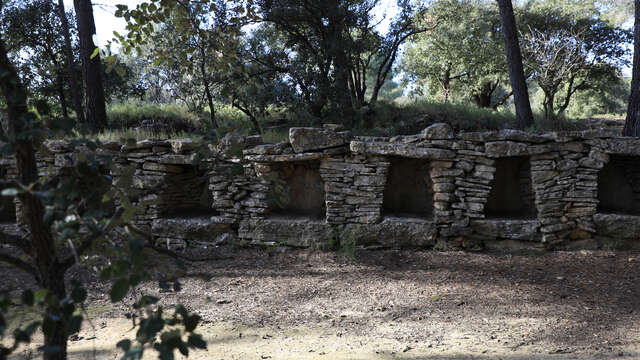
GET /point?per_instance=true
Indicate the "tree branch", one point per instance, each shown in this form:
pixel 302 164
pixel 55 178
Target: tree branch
pixel 502 100
pixel 20 264
pixel 172 254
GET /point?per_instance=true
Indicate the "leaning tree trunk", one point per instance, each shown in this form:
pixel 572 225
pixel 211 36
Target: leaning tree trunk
pixel 74 82
pixel 207 88
pixel 514 62
pixel 96 114
pixel 49 272
pixel 632 123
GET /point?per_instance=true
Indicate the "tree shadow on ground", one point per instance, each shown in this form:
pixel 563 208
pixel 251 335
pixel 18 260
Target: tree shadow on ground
pixel 570 298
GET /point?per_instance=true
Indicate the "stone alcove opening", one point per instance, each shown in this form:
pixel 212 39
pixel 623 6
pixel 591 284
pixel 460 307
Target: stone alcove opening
pixel 7 205
pixel 511 195
pixel 619 185
pixel 408 192
pixel 186 194
pixel 297 191
pixel 7 209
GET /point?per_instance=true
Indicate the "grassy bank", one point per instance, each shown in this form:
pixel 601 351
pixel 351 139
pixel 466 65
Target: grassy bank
pixel 145 120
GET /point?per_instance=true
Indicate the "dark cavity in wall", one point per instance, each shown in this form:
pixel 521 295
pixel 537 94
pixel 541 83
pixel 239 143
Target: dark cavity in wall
pixel 7 206
pixel 511 195
pixel 619 185
pixel 409 190
pixel 186 194
pixel 298 191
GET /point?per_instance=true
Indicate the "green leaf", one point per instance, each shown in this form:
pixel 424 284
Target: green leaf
pixel 119 290
pixel 95 53
pixel 24 335
pixel 171 338
pixel 191 322
pixel 73 325
pixel 124 344
pixel 135 353
pixel 121 71
pixel 149 328
pixel 183 349
pixel 197 342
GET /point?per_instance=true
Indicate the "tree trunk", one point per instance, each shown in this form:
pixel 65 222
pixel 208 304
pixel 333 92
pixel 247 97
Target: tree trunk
pixel 632 122
pixel 376 90
pixel 63 99
pixel 207 89
pixel 548 104
pixel 374 96
pixel 96 114
pixel 341 66
pixel 252 118
pixel 482 95
pixel 514 62
pixel 445 83
pixel 212 109
pixel 43 251
pixel 74 82
pixel 502 100
pixel 56 338
pixel 383 72
pixel 482 100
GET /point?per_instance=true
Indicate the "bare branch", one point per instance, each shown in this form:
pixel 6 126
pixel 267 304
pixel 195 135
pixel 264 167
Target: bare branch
pixel 150 245
pixel 20 264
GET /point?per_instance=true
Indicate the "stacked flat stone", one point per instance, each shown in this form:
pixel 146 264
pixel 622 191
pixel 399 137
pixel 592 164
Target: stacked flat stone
pixel 230 191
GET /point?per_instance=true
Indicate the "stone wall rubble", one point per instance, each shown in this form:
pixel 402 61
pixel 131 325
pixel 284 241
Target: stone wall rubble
pixel 324 186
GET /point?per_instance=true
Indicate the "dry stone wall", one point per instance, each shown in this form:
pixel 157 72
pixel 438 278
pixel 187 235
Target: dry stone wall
pixel 480 190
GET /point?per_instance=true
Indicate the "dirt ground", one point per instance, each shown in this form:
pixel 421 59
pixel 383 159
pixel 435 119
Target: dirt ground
pixel 270 304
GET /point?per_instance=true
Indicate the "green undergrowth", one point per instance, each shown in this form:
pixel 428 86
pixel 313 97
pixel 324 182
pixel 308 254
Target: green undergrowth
pixel 385 119
pixel 175 118
pixel 389 119
pixel 131 115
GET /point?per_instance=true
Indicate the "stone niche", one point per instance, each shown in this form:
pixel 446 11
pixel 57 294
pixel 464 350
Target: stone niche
pixel 297 190
pixel 408 192
pixel 7 206
pixel 511 195
pixel 619 185
pixel 185 194
pixel 7 209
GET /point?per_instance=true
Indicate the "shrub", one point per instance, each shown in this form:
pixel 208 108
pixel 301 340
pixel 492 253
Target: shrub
pixel 388 119
pixel 173 118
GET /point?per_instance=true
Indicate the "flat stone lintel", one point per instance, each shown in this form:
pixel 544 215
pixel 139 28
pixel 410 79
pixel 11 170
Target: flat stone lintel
pixel 402 150
pixel 297 157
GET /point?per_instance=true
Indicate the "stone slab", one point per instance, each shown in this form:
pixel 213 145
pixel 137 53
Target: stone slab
pixel 521 230
pixel 402 150
pixel 200 228
pixel 298 232
pixel 304 139
pixel 395 232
